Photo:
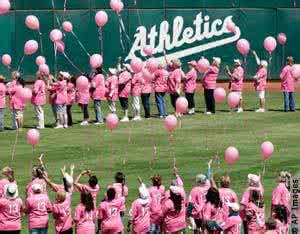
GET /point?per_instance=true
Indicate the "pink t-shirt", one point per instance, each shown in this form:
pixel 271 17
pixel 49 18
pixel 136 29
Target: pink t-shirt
pixel 140 215
pixel 42 182
pixel 2 95
pixel 37 207
pixel 86 188
pixel 137 84
pixel 209 80
pixel 237 79
pixel 190 81
pixel 83 96
pixel 16 103
pixel 281 196
pixel 227 195
pixel 161 81
pixel 156 196
pixel 212 213
pixel 10 88
pixel 175 80
pixel 10 214
pixel 62 214
pixel 112 88
pixel 261 83
pixel 232 225
pixel 70 93
pixel 61 188
pixel 148 85
pixel 85 221
pixel 98 83
pixel 39 93
pixel 287 79
pixel 257 223
pixel 121 191
pixel 61 92
pixel 109 213
pixel 281 228
pixel 124 84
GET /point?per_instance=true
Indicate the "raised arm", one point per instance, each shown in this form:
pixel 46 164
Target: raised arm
pixel 256 57
pixel 179 181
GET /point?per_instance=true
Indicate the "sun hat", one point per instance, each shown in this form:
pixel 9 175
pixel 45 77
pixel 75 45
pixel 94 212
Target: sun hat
pixel 11 191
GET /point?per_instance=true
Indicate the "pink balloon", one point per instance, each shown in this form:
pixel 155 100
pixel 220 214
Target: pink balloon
pixel 148 50
pixel 233 100
pixel 25 95
pixel 101 18
pixel 270 44
pixel 219 95
pixel 33 137
pixel 170 123
pixel 6 60
pixel 40 60
pixel 30 47
pixel 115 5
pixel 243 46
pixel 44 69
pixel 136 65
pixel 120 6
pixel 112 121
pixel 32 22
pixel 181 105
pixel 296 71
pixel 230 26
pixel 56 35
pixel 231 155
pixel 67 26
pixel 266 149
pixel 96 61
pixel 147 74
pixel 60 46
pixel 152 65
pixel 203 65
pixel 82 83
pixel 4 6
pixel 281 38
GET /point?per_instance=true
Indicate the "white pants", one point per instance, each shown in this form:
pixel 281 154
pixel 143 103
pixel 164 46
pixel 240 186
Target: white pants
pixel 136 105
pixel 261 94
pixel 39 111
pixel 112 106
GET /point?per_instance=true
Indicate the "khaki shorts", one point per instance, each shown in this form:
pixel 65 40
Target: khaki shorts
pixel 239 93
pixel 19 114
pixel 261 94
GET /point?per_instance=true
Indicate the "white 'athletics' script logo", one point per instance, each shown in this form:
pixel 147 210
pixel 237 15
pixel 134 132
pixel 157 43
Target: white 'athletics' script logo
pixel 162 40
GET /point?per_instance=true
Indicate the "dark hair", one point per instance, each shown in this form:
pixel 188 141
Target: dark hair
pixel 281 213
pixel 111 194
pixel 213 196
pixel 21 82
pixel 39 171
pixel 73 80
pixel 65 185
pixel 120 178
pixel 177 201
pixel 99 70
pixel 156 180
pixel 254 195
pixel 271 224
pixel 87 200
pixel 93 181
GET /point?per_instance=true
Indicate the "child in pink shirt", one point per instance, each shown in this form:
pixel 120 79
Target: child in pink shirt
pixel 61 101
pixel 83 99
pixel 38 99
pixel 10 87
pixel 85 214
pixel 109 213
pixel 112 89
pixel 125 90
pixel 98 95
pixel 11 207
pixel 37 208
pixel 160 88
pixel 2 101
pixel 139 214
pixel 136 89
pixel 62 214
pixel 288 85
pixel 190 85
pixel 71 93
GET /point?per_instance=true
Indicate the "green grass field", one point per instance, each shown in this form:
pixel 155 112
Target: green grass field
pixel 200 138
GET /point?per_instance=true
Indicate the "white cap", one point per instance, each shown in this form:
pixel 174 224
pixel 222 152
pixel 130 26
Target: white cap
pixel 264 63
pixel 217 60
pixel 200 178
pixel 128 67
pixel 69 180
pixel 37 188
pixel 65 74
pixel 11 191
pixel 254 178
pixel 234 206
pixel 237 61
pixel 112 71
pixel 144 194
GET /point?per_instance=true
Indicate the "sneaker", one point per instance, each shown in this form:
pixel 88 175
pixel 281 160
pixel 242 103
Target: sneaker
pixel 260 110
pixel 98 123
pixel 125 119
pixel 208 113
pixel 38 127
pixel 137 118
pixel 59 126
pixel 84 123
pixel 65 126
pixel 240 110
pixel 161 117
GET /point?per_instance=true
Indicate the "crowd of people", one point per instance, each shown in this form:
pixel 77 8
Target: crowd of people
pixel 121 83
pixel 162 207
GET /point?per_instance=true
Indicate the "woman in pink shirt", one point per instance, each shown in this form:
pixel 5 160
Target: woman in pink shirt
pixel 51 81
pixel 125 90
pixel 280 214
pixel 236 81
pixel 147 90
pixel 38 99
pixel 2 101
pixel 8 172
pixel 98 95
pixel 37 178
pixel 37 208
pixel 10 87
pixel 137 83
pixel 190 85
pixel 71 93
pixel 83 99
pixel 85 214
pixel 161 87
pixel 109 213
pixel 11 207
pixel 112 89
pixel 61 101
pixel 288 85
pixel 271 226
pixel 62 214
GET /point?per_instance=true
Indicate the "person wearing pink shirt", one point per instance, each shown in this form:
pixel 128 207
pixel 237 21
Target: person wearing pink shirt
pixel 288 85
pixel 2 101
pixel 139 214
pixel 38 99
pixel 271 226
pixel 83 99
pixel 209 83
pixel 137 83
pixel 37 208
pixel 147 90
pixel 98 95
pixel 124 90
pixel 10 87
pixel 51 81
pixel 109 213
pixel 280 214
pixel 37 178
pixel 260 82
pixel 161 76
pixel 85 214
pixel 190 85
pixel 156 193
pixel 8 172
pixel 62 214
pixel 237 81
pixel 11 207
pixel 112 89
pixel 71 94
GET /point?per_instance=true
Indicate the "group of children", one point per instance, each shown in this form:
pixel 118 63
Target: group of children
pixel 209 208
pixel 122 83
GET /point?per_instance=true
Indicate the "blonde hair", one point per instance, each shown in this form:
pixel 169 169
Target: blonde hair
pixel 60 196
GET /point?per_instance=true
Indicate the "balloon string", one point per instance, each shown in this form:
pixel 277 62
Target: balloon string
pixel 154 153
pixel 100 37
pixel 65 8
pixel 128 144
pixel 55 59
pixel 14 147
pixel 269 70
pixel 73 65
pixel 112 154
pixel 80 43
pixel 295 4
pixel 121 38
pixel 283 55
pixel 41 42
pixel 21 62
pixel 57 19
